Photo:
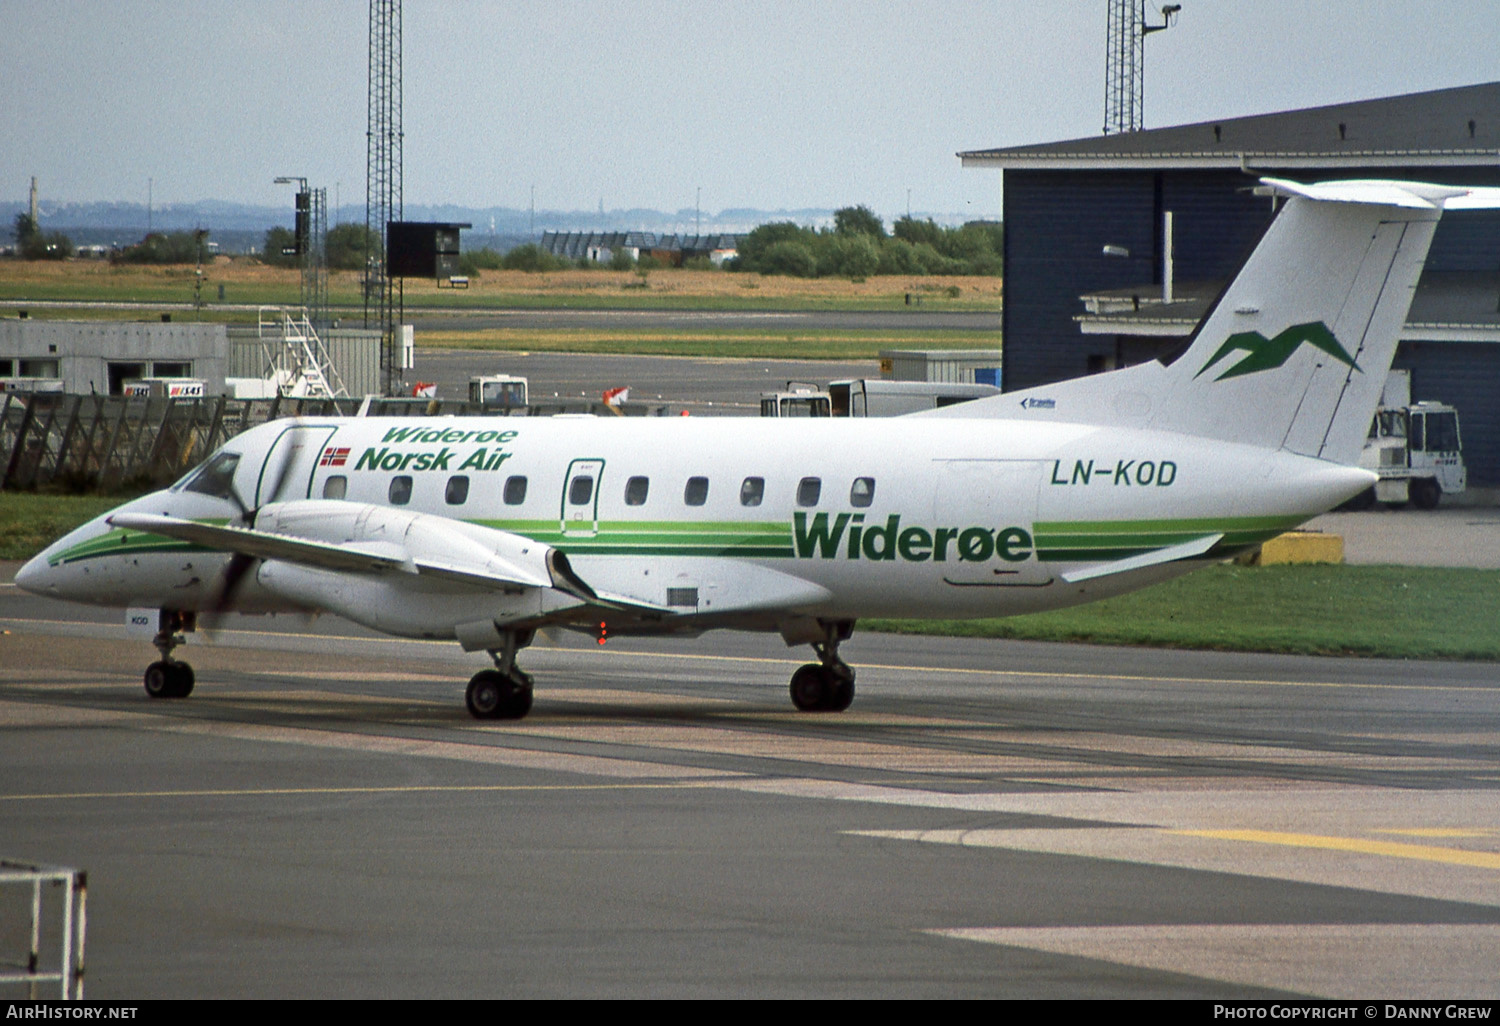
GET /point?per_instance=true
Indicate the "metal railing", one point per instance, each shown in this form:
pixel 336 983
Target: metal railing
pixel 33 973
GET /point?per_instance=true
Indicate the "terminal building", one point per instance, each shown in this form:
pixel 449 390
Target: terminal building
pixel 1087 284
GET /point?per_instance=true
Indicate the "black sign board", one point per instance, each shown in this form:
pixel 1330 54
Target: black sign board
pixel 421 249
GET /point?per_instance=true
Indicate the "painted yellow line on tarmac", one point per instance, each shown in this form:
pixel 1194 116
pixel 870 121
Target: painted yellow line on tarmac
pixel 1392 849
pixel 258 792
pixel 604 653
pixel 1443 832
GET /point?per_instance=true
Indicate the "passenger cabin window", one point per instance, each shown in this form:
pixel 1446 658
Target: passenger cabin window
pixel 515 490
pixel 752 490
pixel 808 490
pixel 217 476
pixel 335 487
pixel 696 492
pixel 580 490
pixel 400 490
pixel 635 491
pixel 862 492
pixel 457 492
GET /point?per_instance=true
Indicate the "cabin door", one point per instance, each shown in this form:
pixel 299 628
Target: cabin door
pixel 579 516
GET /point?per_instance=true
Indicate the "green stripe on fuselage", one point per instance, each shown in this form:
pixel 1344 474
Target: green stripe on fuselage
pixel 1055 541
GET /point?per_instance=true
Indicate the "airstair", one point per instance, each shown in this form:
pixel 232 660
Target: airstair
pixel 296 359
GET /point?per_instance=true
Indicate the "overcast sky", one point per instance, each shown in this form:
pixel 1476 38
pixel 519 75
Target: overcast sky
pixel 757 103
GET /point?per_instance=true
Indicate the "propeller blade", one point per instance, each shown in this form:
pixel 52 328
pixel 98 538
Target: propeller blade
pixel 223 601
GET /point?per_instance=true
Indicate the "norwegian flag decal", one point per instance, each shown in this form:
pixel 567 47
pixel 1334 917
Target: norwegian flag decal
pixel 334 457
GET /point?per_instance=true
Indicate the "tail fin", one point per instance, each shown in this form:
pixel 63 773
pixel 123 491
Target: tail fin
pixel 1296 351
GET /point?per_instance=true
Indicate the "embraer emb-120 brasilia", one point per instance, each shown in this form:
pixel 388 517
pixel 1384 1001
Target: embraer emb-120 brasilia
pixel 484 530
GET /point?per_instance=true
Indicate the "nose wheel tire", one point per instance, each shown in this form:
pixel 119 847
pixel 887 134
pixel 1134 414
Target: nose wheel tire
pixel 819 688
pixel 492 695
pixel 169 679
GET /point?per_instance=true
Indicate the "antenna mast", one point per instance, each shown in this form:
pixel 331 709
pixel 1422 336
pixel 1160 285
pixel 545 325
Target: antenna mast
pixel 1125 63
pixel 384 299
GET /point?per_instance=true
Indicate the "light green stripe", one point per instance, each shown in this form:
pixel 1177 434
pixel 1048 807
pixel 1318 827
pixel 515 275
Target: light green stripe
pixel 1195 525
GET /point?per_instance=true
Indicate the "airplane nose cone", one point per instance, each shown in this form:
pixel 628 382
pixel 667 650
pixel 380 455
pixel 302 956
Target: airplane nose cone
pixel 33 576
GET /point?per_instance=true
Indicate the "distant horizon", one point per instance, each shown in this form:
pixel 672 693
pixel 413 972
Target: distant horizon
pixel 61 204
pixel 234 218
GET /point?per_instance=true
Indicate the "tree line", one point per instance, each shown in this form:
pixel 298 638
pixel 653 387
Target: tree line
pixel 857 246
pixel 156 248
pixel 34 244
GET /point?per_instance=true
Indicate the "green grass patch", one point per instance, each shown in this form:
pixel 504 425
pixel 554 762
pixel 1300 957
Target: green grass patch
pixel 1396 612
pixel 29 522
pixel 653 298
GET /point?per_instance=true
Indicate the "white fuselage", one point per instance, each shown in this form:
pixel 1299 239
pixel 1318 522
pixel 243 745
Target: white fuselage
pixel 739 522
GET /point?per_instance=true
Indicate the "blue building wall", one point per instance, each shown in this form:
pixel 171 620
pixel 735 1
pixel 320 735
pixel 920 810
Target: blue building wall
pixel 1057 224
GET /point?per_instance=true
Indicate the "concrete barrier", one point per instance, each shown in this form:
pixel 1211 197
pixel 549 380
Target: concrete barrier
pixel 1298 547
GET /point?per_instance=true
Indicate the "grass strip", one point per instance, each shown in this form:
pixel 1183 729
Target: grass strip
pixel 29 522
pixel 1396 612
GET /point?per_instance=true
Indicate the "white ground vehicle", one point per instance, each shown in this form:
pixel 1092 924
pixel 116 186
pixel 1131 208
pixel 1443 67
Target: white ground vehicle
pixel 1414 447
pixel 1417 452
pixel 868 397
pixel 499 390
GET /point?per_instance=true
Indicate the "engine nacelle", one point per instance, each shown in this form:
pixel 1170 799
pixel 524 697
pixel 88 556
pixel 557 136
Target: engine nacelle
pixel 455 573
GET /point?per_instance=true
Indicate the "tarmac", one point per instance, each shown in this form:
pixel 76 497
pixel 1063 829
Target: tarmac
pixel 1454 536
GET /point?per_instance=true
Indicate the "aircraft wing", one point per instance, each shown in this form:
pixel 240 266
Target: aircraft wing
pixel 346 557
pixel 1170 554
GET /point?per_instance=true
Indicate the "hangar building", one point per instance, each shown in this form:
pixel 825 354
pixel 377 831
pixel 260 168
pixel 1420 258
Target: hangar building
pixel 1072 308
pixel 99 357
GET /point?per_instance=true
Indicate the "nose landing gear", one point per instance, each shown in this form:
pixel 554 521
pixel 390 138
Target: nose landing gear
pixel 168 677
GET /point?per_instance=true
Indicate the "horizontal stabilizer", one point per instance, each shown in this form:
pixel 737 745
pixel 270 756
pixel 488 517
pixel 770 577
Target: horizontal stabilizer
pixel 1413 195
pixel 1187 550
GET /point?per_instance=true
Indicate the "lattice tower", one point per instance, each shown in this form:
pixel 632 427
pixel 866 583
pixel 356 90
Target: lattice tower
pixel 384 299
pixel 1124 68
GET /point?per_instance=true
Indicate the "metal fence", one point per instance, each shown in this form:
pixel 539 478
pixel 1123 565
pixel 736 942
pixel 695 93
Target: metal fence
pixel 104 443
pixel 86 442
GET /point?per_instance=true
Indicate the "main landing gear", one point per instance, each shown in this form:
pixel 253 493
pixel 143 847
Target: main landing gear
pixel 503 693
pixel 828 685
pixel 168 677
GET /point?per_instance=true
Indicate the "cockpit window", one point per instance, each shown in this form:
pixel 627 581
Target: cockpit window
pixel 216 477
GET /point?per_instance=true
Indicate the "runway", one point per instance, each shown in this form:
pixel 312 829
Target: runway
pixel 991 819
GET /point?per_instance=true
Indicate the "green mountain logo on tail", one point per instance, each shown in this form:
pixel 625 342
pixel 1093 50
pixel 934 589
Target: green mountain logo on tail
pixel 1269 353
